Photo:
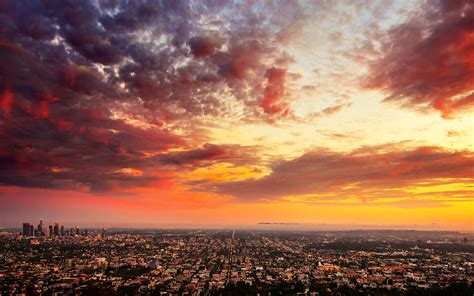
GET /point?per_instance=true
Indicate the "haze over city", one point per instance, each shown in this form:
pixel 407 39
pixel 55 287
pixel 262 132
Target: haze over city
pixel 237 114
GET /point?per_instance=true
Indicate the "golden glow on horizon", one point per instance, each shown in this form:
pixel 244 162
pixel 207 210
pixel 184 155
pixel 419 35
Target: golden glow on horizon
pixel 199 208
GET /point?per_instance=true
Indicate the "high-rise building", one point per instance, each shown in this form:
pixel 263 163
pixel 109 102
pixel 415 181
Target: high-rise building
pixel 56 229
pixel 26 229
pixel 62 230
pixel 40 228
pixel 104 231
pixel 50 230
pixel 71 233
pixel 32 230
pixel 77 231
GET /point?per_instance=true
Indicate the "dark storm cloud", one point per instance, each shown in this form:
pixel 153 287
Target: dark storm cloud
pixel 209 153
pixel 428 61
pixel 76 77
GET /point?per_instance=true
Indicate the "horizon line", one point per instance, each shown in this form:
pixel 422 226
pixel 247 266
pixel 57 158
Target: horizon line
pixel 266 226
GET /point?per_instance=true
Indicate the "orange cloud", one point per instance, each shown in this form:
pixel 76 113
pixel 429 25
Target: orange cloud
pixel 365 172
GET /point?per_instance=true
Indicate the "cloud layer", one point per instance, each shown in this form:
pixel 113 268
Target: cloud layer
pixel 363 173
pixel 92 96
pixel 428 62
pixel 110 96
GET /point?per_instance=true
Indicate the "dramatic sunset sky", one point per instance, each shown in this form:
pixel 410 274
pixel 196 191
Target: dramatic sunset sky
pixel 230 113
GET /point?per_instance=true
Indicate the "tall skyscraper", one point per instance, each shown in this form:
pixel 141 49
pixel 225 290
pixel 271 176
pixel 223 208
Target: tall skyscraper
pixel 40 228
pixel 26 229
pixel 56 229
pixel 50 230
pixel 77 231
pixel 62 230
pixel 32 230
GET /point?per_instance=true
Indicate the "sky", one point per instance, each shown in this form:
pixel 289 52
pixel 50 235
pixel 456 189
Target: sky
pixel 228 113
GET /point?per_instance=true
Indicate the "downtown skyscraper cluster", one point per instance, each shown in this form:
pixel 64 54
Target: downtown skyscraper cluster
pixel 54 230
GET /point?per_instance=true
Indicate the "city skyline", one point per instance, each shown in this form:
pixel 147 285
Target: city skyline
pixel 57 230
pixel 234 114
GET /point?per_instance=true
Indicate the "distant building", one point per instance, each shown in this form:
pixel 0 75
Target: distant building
pixel 40 228
pixel 62 230
pixel 50 230
pixel 56 229
pixel 26 229
pixel 104 232
pixel 32 230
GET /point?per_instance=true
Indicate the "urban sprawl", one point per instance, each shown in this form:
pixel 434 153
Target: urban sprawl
pixel 55 260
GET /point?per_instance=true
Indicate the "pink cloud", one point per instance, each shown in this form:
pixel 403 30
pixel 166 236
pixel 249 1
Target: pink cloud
pixel 428 62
